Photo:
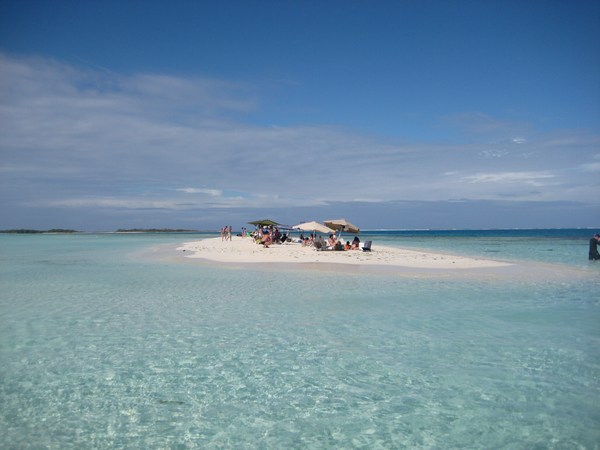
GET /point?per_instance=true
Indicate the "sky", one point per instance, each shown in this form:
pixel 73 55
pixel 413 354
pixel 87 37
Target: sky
pixel 391 114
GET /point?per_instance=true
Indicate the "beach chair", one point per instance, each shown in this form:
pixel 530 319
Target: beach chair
pixel 366 246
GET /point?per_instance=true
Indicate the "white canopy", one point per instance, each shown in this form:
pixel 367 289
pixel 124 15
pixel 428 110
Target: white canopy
pixel 342 224
pixel 312 226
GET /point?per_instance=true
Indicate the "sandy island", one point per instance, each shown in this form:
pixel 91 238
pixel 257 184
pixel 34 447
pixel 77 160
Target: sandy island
pixel 245 251
pixel 382 260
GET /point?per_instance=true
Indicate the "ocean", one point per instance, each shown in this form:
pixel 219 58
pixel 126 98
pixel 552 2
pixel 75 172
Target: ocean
pixel 107 342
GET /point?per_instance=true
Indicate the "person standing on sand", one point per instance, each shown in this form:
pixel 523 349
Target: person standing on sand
pixel 229 231
pixel 593 254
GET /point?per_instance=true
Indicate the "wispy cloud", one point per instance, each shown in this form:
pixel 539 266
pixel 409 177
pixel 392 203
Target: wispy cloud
pixel 593 166
pixel 537 179
pixel 211 192
pixel 82 138
pixel 175 203
pixel 479 123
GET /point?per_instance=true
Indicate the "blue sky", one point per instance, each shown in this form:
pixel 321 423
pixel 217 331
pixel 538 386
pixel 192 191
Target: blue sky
pixel 393 114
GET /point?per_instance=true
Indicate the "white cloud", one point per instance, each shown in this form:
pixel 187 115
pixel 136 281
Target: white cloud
pixel 211 192
pixel 592 166
pixel 177 203
pixel 491 153
pixel 94 139
pixel 99 202
pixel 530 178
pixel 479 123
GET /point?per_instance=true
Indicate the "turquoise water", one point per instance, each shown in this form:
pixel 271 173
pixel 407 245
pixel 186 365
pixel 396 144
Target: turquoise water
pixel 558 246
pixel 102 349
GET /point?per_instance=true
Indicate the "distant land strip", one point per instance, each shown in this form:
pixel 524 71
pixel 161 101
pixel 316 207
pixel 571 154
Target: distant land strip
pixel 121 230
pixel 154 230
pixel 25 231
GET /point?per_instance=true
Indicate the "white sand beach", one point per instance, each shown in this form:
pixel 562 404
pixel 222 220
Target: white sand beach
pixel 245 250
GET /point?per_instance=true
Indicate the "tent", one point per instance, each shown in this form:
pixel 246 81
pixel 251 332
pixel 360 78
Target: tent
pixel 263 223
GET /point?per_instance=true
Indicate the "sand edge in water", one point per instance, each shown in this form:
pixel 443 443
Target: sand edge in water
pixel 244 253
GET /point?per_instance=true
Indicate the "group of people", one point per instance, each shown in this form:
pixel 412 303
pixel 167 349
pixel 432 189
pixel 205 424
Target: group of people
pixel 226 233
pixel 332 243
pixel 269 235
pixel 594 255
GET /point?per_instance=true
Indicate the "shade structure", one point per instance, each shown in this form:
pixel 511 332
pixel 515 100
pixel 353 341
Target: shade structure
pixel 263 222
pixel 312 226
pixel 343 225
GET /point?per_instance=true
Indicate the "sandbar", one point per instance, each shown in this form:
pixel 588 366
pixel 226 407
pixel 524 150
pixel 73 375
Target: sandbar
pixel 245 251
pixel 245 254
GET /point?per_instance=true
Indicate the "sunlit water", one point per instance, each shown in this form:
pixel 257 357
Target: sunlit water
pixel 102 349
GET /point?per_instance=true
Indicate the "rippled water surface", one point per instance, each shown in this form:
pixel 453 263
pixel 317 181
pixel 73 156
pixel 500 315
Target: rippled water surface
pixel 102 349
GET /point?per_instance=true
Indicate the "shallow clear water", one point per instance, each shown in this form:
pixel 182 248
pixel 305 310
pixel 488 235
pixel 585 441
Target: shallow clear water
pixel 568 246
pixel 100 349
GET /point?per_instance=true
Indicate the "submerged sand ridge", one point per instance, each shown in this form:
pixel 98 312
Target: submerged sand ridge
pixel 245 250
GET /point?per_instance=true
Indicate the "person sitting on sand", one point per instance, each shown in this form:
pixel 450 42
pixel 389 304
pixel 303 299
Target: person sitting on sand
pixel 593 254
pixel 266 240
pixel 331 241
pixel 347 246
pixel 319 243
pixel 356 243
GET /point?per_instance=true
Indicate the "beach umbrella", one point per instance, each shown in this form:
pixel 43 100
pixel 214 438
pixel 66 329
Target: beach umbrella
pixel 342 225
pixel 312 226
pixel 264 222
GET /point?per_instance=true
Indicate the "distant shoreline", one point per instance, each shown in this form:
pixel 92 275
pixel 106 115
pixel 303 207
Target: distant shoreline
pixel 365 230
pixel 66 231
pixel 27 231
pixel 154 230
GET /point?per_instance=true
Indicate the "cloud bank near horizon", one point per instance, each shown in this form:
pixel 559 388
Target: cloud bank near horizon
pixel 79 137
